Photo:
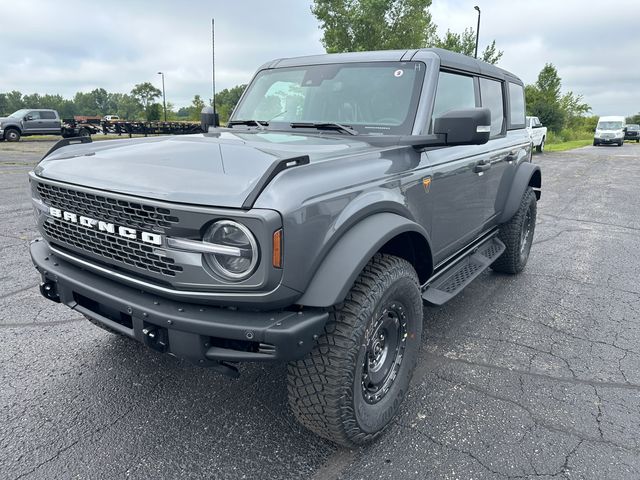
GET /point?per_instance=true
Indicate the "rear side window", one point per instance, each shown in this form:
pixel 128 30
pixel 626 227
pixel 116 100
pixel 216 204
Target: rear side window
pixel 516 107
pixel 491 98
pixel 454 92
pixel 47 115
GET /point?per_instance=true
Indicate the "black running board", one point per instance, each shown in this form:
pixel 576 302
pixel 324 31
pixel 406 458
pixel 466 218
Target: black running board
pixel 460 274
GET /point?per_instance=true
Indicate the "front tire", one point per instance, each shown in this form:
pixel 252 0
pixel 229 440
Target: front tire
pixel 352 383
pixel 517 236
pixel 12 135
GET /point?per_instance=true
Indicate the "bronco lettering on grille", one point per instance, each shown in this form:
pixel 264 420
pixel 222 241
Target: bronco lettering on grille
pixel 125 232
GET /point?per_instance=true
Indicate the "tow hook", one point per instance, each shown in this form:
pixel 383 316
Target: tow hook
pixel 50 290
pixel 156 338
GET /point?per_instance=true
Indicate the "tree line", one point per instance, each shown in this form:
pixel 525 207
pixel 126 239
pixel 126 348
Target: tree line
pixel 139 104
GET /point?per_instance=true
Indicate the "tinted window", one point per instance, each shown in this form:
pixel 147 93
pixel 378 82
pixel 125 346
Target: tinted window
pixel 47 115
pixel 516 105
pixel 491 97
pixel 454 92
pixel 34 115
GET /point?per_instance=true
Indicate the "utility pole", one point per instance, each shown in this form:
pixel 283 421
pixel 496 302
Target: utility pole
pixel 164 98
pixel 477 29
pixel 213 70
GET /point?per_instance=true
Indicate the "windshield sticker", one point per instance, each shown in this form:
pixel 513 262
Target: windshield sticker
pixel 398 73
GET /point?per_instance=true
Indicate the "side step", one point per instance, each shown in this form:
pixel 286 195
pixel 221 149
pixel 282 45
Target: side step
pixel 463 272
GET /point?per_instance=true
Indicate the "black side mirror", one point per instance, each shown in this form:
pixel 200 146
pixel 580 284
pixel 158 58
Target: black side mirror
pixel 208 118
pixel 28 117
pixel 470 126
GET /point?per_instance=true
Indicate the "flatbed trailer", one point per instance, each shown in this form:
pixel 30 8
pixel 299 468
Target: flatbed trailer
pixel 150 128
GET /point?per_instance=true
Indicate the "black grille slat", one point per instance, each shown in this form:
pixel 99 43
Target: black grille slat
pixel 120 212
pixel 110 247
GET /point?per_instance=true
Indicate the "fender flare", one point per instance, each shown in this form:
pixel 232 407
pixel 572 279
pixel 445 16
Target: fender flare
pixel 528 174
pixel 348 257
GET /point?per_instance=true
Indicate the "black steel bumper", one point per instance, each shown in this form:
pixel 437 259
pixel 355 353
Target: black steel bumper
pixel 203 334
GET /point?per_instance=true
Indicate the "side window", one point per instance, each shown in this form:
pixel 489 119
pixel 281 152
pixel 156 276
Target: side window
pixel 491 97
pixel 516 106
pixel 454 92
pixel 35 115
pixel 47 115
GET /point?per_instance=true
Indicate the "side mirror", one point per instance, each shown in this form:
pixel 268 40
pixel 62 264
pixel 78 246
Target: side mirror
pixel 470 126
pixel 28 117
pixel 208 119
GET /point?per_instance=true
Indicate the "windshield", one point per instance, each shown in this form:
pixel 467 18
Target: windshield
pixel 376 97
pixel 19 113
pixel 610 125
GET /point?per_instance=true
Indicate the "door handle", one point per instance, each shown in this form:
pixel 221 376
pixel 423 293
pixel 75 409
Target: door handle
pixel 481 167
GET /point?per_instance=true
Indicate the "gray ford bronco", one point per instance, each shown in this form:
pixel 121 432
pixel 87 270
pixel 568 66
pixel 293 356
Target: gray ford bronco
pixel 346 191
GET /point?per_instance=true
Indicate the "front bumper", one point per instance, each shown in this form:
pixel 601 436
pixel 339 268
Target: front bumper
pixel 203 334
pixel 609 140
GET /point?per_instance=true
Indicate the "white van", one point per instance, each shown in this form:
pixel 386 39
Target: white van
pixel 610 130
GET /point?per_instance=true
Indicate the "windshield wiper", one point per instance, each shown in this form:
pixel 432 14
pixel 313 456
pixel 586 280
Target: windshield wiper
pixel 325 126
pixel 261 124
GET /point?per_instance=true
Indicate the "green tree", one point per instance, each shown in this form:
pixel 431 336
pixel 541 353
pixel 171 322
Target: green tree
pixel 153 112
pixel 543 98
pixel 146 93
pixel 555 110
pixel 465 43
pixel 634 119
pixel 226 101
pixel 126 106
pixel 359 25
pixel 197 104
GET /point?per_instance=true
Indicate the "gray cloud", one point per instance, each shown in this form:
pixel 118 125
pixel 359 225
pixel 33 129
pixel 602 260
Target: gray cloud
pixel 48 48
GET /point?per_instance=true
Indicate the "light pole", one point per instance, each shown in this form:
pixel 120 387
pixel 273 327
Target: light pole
pixel 477 29
pixel 164 99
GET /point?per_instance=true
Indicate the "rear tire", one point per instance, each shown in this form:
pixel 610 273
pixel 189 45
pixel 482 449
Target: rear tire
pixel 540 148
pixel 352 383
pixel 84 133
pixel 517 236
pixel 12 135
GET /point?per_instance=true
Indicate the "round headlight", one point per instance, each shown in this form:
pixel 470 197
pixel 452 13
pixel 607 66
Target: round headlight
pixel 242 258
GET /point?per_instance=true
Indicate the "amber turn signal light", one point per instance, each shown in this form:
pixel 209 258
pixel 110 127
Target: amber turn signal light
pixel 277 249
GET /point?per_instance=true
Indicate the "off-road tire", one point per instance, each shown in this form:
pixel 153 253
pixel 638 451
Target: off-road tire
pixel 327 388
pixel 84 132
pixel 540 148
pixel 12 135
pixel 104 327
pixel 514 258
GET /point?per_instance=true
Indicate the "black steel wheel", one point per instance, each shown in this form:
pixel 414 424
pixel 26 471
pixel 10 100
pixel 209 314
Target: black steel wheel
pixel 352 383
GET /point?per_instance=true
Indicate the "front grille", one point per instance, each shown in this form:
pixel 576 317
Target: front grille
pixel 120 212
pixel 127 252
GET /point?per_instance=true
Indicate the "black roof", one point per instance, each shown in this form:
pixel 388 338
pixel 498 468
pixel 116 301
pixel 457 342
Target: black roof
pixel 447 58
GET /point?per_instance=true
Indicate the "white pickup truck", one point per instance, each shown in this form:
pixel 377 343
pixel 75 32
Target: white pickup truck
pixel 537 133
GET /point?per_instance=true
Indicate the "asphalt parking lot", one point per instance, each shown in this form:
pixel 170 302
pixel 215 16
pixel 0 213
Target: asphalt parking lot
pixel 534 376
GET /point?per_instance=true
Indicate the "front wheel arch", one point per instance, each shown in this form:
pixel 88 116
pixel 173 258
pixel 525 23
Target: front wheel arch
pixel 384 232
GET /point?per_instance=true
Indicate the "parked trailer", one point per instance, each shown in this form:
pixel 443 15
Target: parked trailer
pixel 150 128
pixel 72 128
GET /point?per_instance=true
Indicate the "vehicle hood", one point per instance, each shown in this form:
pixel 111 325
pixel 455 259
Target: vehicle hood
pixel 214 169
pixel 4 120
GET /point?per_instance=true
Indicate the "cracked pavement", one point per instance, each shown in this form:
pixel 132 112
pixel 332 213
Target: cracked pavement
pixel 532 376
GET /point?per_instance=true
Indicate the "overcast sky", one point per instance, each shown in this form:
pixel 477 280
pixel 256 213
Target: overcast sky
pixel 54 47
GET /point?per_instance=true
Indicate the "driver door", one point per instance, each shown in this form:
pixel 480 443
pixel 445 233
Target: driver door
pixel 32 122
